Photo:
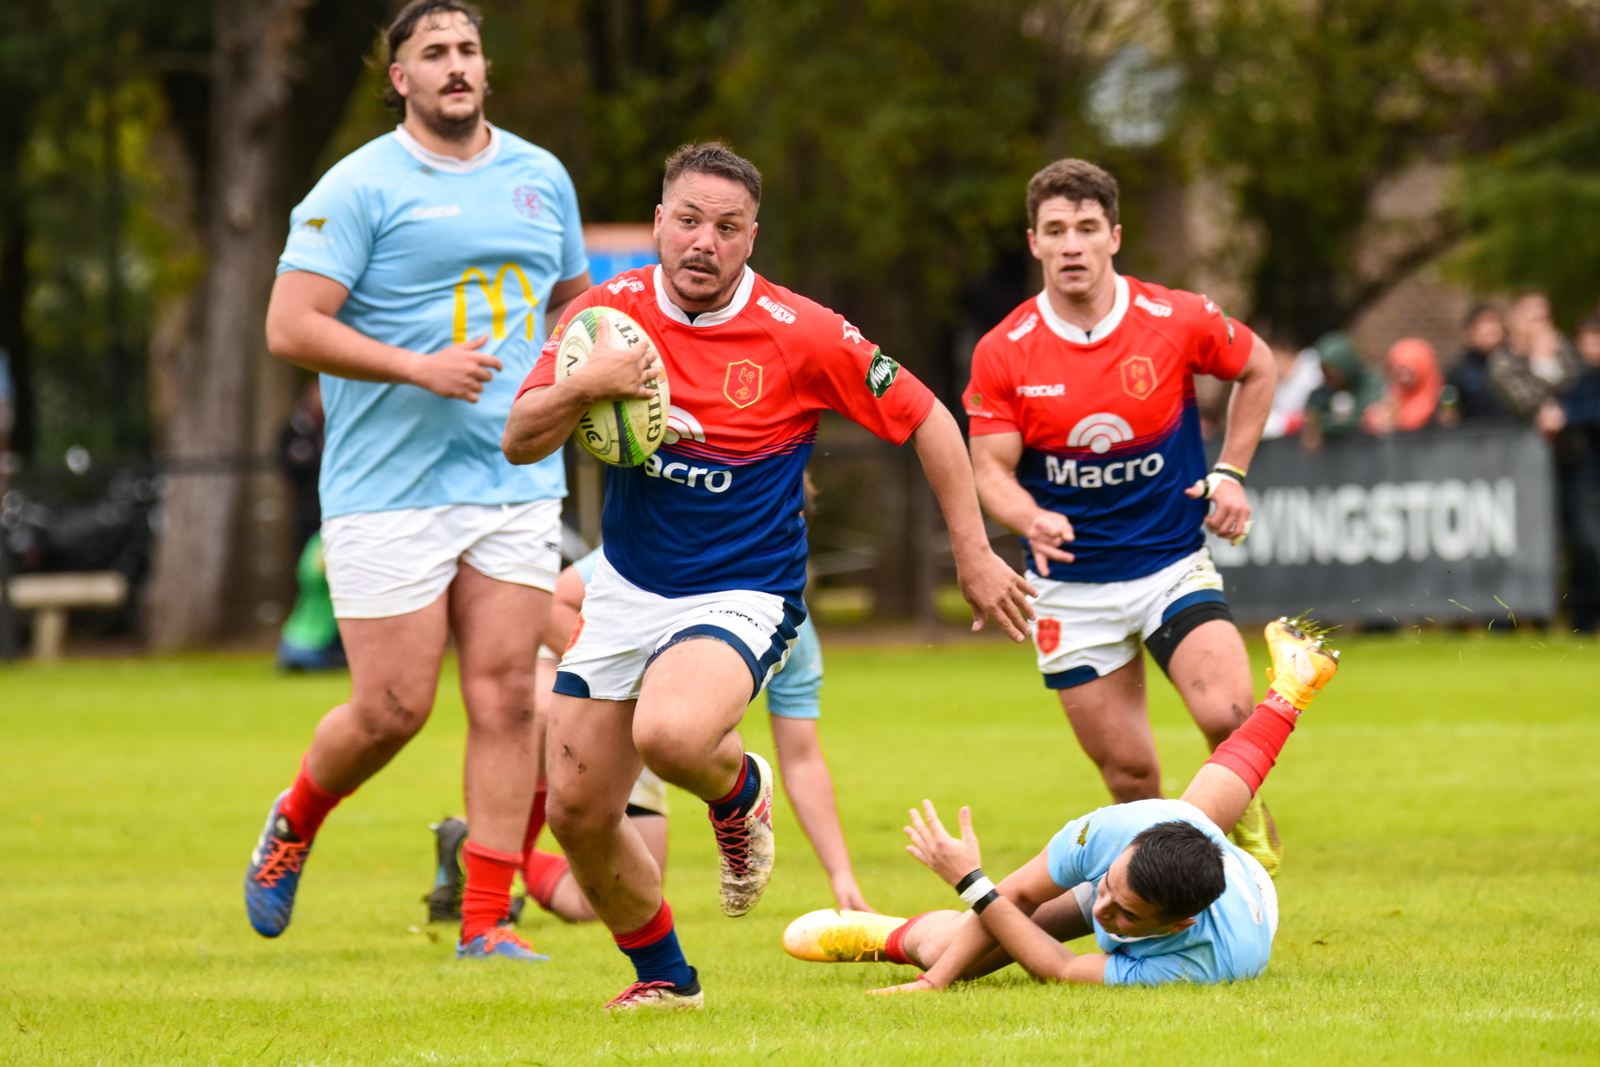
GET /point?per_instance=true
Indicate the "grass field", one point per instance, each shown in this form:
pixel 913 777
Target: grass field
pixel 1441 894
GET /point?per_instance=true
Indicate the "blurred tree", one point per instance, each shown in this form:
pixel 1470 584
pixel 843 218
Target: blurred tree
pixel 1305 107
pixel 1533 217
pixel 280 73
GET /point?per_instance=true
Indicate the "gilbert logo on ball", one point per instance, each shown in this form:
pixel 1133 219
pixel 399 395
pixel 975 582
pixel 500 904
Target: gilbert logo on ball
pixel 623 433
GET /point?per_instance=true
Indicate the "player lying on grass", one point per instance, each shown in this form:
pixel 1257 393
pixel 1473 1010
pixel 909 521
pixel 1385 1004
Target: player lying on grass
pixel 697 597
pixel 1166 895
pixel 1086 440
pixel 794 705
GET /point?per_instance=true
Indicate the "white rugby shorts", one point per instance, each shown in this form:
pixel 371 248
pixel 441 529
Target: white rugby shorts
pixel 623 629
pixel 387 563
pixel 1086 630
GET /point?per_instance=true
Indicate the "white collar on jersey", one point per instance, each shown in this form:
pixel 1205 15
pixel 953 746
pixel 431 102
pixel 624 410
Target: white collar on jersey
pixel 741 297
pixel 1099 331
pixel 449 164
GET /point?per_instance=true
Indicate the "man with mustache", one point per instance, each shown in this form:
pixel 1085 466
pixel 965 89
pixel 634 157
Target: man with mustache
pixel 697 599
pixel 418 280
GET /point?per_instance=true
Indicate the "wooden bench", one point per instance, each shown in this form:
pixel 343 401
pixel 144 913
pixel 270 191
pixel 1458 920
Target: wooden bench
pixel 51 596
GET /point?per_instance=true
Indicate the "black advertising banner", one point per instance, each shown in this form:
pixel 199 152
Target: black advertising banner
pixel 1442 526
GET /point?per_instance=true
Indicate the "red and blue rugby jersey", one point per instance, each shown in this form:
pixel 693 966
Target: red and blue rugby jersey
pixel 718 506
pixel 1110 431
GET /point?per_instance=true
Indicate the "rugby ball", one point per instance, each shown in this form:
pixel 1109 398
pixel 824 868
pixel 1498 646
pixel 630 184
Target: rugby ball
pixel 623 433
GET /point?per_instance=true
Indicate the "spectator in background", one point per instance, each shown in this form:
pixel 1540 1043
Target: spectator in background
pixel 1348 388
pixel 300 456
pixel 1299 375
pixel 1537 367
pixel 1472 394
pixel 309 640
pixel 1415 386
pixel 1581 498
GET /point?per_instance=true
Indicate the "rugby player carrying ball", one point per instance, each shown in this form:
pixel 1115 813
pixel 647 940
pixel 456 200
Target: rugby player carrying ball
pixel 1086 440
pixel 697 598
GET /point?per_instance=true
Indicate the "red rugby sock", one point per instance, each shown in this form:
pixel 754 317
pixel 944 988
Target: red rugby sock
pixel 486 899
pixel 1252 749
pixel 535 819
pixel 895 946
pixel 308 804
pixel 541 873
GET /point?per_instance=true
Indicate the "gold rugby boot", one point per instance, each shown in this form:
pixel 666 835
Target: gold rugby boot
pixel 830 936
pixel 1301 666
pixel 1257 834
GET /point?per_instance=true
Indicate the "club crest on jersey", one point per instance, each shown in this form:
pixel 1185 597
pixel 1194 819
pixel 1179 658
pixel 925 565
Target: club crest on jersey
pixel 1047 635
pixel 627 281
pixel 528 201
pixel 1138 376
pixel 881 373
pixel 742 385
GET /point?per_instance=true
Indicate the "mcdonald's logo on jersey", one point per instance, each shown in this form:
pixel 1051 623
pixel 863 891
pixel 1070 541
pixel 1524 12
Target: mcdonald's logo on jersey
pixel 495 295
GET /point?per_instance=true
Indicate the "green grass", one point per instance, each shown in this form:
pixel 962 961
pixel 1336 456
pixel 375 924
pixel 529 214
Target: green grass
pixel 1441 894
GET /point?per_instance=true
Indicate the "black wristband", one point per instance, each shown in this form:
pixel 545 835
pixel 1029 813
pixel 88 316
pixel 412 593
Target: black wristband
pixel 1230 471
pixel 965 883
pixel 989 898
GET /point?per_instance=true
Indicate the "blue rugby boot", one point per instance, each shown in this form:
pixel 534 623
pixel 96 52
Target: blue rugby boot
pixel 500 941
pixel 274 874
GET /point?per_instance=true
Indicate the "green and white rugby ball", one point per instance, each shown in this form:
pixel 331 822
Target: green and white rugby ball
pixel 623 433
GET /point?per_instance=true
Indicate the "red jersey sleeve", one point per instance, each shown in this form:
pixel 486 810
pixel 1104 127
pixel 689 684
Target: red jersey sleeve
pixel 1221 346
pixel 544 368
pixel 988 395
pixel 841 370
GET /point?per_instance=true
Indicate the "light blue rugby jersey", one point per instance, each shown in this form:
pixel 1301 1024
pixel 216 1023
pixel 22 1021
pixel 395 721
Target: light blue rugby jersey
pixel 435 251
pixel 1231 939
pixel 795 691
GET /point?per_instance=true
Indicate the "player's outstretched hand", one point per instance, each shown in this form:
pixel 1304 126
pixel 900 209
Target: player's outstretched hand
pixel 950 858
pixel 921 985
pixel 455 373
pixel 996 591
pixel 1230 513
pixel 616 372
pixel 1045 535
pixel 848 896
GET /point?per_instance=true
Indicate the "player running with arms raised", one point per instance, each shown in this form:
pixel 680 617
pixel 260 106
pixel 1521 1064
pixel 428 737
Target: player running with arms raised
pixel 445 228
pixel 1167 897
pixel 1086 440
pixel 697 598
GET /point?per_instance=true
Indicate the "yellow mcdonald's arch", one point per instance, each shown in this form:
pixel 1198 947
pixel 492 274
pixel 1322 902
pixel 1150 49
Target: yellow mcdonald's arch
pixel 495 295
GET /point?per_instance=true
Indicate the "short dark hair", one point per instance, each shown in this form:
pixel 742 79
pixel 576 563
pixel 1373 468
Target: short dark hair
pixel 405 24
pixel 1077 180
pixel 1176 867
pixel 1590 321
pixel 712 157
pixel 1479 311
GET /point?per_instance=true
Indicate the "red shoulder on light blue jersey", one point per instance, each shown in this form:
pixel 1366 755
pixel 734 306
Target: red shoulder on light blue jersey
pixel 717 506
pixel 1109 428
